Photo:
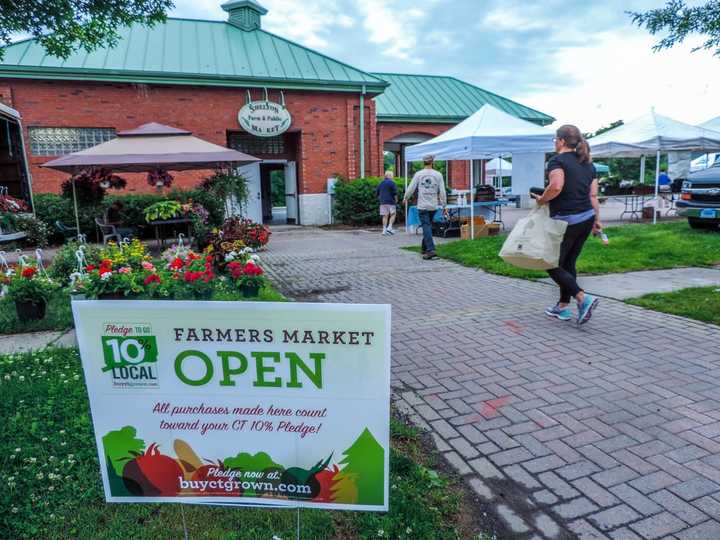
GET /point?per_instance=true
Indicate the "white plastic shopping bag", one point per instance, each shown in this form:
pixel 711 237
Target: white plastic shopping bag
pixel 534 243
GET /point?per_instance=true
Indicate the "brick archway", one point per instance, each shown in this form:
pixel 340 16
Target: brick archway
pixel 458 171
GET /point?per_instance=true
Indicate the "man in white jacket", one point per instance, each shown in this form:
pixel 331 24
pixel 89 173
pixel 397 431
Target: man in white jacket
pixel 430 187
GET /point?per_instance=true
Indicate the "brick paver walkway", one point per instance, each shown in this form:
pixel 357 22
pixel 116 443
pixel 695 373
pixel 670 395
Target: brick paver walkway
pixel 608 431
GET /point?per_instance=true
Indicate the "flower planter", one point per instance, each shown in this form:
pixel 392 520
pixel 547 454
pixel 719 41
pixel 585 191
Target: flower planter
pixel 250 291
pixel 77 296
pixel 112 296
pixel 30 311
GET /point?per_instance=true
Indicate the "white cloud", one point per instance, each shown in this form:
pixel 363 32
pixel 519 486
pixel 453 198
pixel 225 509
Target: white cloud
pixel 389 24
pixel 506 18
pixel 619 77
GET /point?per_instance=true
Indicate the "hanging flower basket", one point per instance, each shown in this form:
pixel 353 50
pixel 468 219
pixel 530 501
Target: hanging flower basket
pixel 159 178
pixel 30 311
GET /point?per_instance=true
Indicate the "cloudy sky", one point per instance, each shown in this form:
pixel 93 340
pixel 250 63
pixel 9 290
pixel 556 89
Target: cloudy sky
pixel 581 62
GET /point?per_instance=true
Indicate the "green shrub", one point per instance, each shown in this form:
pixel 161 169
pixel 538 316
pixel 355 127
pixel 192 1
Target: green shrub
pixel 65 263
pixel 50 208
pixel 356 201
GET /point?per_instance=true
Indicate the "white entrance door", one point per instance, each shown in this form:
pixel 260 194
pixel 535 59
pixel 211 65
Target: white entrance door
pixel 253 207
pixel 291 197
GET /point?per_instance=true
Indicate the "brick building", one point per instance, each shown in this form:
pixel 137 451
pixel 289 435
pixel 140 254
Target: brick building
pixel 197 75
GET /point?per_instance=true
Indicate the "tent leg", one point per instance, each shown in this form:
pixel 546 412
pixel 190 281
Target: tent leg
pixel 657 174
pixel 407 229
pixel 472 203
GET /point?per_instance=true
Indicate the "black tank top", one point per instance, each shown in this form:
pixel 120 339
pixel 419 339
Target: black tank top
pixel 575 195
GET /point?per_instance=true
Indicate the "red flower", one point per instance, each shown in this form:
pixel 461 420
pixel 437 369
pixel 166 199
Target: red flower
pixel 152 278
pixel 177 263
pixel 90 268
pixel 190 276
pixel 29 272
pixel 209 259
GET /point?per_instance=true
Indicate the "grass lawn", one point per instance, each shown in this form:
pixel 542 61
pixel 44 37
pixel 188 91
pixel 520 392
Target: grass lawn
pixel 632 247
pixel 52 488
pixel 59 314
pixel 699 303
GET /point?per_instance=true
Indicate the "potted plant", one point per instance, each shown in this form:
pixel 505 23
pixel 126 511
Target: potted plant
pixel 248 276
pixel 162 211
pixel 193 276
pixel 30 290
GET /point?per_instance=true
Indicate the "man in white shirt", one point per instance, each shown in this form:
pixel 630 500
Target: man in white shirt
pixel 430 187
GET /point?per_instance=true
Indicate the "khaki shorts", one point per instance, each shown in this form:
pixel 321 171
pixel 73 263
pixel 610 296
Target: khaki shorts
pixel 387 209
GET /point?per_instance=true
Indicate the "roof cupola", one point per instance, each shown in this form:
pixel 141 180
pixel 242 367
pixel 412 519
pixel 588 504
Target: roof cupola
pixel 245 14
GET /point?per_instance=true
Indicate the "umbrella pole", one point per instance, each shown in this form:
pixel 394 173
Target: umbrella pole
pixel 657 174
pixel 77 218
pixel 472 203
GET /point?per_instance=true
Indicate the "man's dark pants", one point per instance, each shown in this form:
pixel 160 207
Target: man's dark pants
pixel 426 218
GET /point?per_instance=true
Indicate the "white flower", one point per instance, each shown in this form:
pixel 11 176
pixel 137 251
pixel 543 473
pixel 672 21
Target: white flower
pixel 381 532
pixel 254 257
pixel 18 450
pixel 22 377
pixel 14 510
pixel 105 276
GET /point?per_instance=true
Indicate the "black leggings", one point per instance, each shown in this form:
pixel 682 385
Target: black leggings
pixel 566 274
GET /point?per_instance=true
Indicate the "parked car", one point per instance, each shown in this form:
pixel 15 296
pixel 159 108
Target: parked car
pixel 700 199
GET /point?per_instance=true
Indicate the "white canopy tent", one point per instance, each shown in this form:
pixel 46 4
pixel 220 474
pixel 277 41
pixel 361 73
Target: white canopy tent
pixel 650 134
pixel 707 160
pixel 486 134
pixel 498 167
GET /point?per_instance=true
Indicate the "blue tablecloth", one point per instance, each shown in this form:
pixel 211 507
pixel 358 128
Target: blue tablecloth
pixel 479 209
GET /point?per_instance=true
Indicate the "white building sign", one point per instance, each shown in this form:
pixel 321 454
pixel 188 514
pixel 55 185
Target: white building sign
pixel 264 118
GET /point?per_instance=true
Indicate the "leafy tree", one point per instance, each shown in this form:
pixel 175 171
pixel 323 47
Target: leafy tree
pixel 63 26
pixel 682 21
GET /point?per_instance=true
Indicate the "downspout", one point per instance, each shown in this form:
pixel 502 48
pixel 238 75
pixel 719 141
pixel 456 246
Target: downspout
pixel 362 133
pixel 24 156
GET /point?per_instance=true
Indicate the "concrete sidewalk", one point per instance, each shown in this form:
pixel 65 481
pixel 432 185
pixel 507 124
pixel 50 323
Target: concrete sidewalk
pixel 17 343
pixel 634 284
pixel 611 430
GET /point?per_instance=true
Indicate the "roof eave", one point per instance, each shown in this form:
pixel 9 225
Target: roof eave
pixel 419 119
pixel 193 80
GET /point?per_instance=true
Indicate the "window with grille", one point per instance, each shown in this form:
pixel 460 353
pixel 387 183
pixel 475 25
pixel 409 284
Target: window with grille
pixel 250 144
pixel 56 141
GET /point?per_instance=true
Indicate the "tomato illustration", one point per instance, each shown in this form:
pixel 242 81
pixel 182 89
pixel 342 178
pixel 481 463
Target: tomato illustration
pixel 152 474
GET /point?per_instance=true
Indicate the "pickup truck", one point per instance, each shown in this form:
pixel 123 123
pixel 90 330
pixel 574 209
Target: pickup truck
pixel 700 199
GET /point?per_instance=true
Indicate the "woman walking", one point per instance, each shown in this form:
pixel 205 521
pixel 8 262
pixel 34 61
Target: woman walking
pixel 572 194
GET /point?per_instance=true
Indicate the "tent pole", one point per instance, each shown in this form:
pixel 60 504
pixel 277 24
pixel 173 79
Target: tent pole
pixel 657 174
pixel 472 202
pixel 405 193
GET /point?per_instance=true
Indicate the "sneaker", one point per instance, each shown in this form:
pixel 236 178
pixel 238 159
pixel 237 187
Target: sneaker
pixel 564 314
pixel 390 231
pixel 586 308
pixel 385 232
pixel 429 255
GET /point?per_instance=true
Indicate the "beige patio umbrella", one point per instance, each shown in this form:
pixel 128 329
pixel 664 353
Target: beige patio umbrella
pixel 147 148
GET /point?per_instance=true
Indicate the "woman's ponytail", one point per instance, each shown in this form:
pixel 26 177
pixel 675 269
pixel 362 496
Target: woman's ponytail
pixel 583 151
pixel 573 139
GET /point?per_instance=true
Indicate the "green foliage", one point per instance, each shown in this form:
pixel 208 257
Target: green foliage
pixel 50 208
pixel 699 303
pixel 162 210
pixel 63 26
pixel 356 202
pixel 38 233
pixel 65 262
pixel 225 184
pixel 680 21
pixel 31 287
pixel 277 187
pixel 120 445
pixel 632 247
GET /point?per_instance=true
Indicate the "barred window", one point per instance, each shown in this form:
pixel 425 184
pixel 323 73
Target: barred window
pixel 250 144
pixel 57 141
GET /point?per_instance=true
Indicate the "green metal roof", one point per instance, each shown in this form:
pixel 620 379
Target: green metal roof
pixel 186 51
pixel 429 98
